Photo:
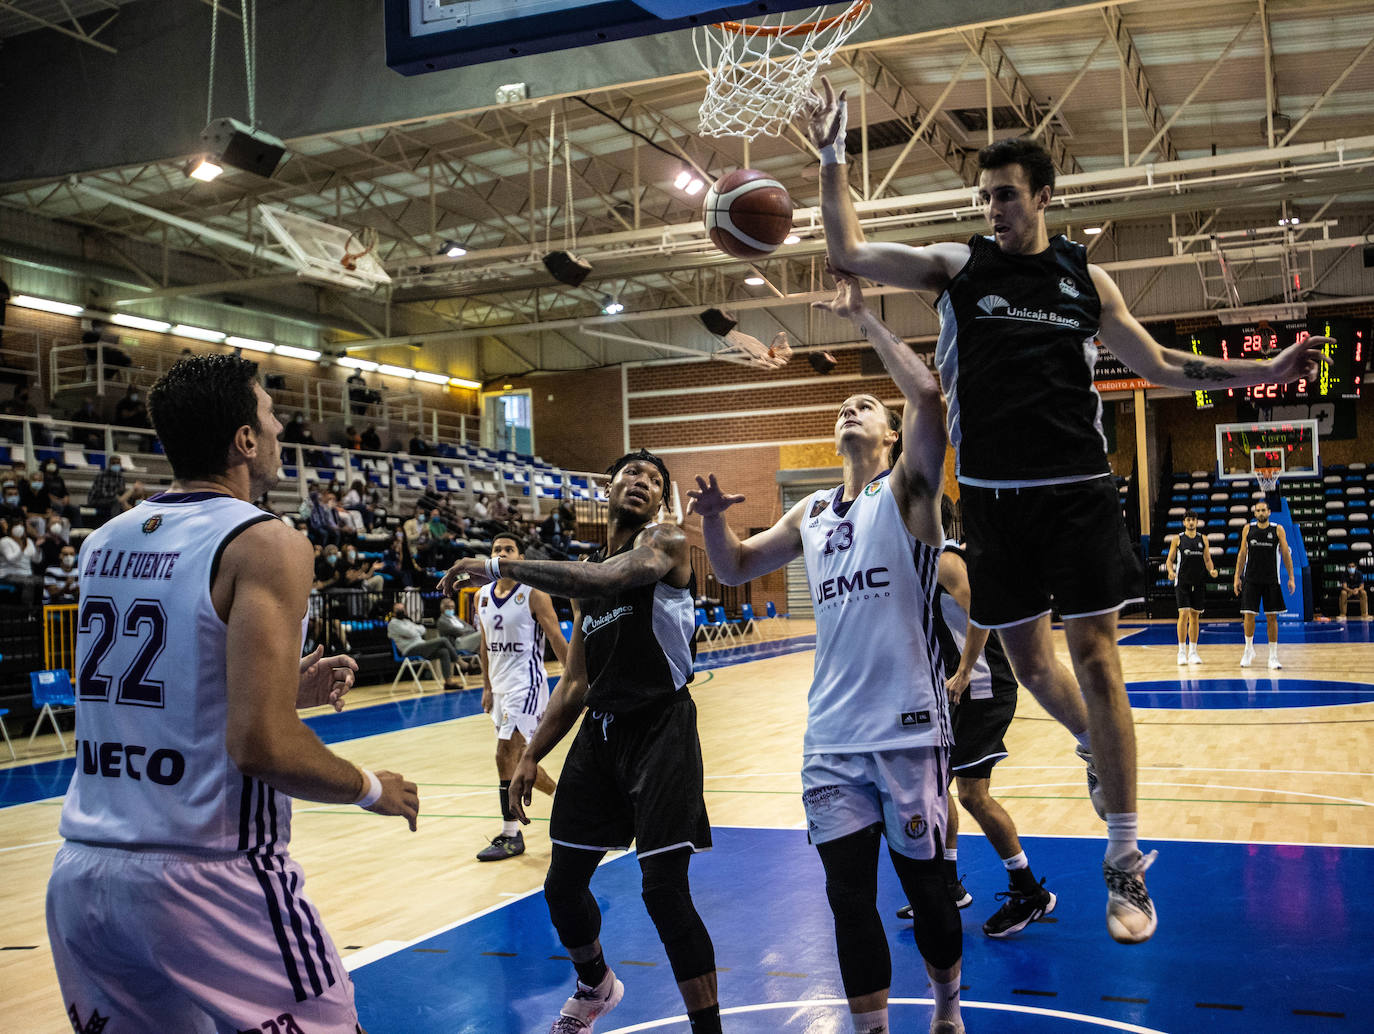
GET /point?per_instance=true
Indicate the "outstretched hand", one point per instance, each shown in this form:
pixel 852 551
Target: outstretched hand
pixel 1303 359
pixel 468 573
pixel 824 116
pixel 707 500
pixel 848 302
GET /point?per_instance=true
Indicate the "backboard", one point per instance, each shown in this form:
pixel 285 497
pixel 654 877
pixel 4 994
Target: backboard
pixel 429 35
pixel 1288 447
pixel 333 254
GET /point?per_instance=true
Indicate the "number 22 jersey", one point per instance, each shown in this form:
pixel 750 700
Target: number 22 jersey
pixel 878 681
pixel 152 768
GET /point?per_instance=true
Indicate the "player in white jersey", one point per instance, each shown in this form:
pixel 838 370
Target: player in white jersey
pixel 876 750
pixel 174 905
pixel 514 620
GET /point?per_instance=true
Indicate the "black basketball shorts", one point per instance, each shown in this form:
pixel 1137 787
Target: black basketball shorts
pixel 1031 550
pixel 978 727
pixel 634 777
pixel 1190 597
pixel 1253 594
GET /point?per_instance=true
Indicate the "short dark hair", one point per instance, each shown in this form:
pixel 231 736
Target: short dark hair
pixel 1192 514
pixel 198 406
pixel 645 456
pixel 894 423
pixel 1022 151
pixel 519 546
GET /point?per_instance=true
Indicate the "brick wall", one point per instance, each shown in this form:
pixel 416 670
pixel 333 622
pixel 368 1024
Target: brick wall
pixel 577 417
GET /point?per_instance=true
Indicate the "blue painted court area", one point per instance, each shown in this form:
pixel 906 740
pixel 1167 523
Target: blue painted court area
pixel 1194 694
pixel 1233 953
pixel 1215 633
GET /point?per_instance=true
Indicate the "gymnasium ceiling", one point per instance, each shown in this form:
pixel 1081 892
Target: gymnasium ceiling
pixel 1119 87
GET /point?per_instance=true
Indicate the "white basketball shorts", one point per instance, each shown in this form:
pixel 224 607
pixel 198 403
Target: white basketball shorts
pixel 517 710
pixel 904 791
pixel 174 942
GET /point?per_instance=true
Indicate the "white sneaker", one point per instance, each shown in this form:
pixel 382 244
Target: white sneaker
pixel 588 1005
pixel 1193 658
pixel 1182 655
pixel 1274 661
pixel 1131 916
pixel 1247 657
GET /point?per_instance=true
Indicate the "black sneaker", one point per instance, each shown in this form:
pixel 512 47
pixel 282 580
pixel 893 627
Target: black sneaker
pixel 1019 910
pixel 503 847
pixel 961 898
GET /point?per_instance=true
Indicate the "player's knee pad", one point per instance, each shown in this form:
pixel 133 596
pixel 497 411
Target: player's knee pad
pixel 668 900
pixel 567 892
pixel 939 932
pixel 851 887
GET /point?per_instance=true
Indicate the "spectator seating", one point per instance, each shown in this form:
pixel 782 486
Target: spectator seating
pixel 52 692
pixel 4 711
pixel 412 666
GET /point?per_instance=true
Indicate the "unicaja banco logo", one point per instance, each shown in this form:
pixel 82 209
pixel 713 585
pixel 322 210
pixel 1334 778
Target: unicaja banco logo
pixel 990 303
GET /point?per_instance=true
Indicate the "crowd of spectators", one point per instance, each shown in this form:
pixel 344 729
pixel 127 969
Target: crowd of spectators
pixel 35 535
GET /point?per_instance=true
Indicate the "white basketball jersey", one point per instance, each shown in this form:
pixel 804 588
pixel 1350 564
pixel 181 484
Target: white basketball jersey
pixel 152 769
pixel 515 648
pixel 878 682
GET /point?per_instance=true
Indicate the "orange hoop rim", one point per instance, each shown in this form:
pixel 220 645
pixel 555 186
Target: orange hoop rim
pixel 820 25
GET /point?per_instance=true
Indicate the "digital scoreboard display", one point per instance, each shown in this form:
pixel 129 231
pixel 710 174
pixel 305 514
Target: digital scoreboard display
pixel 1340 378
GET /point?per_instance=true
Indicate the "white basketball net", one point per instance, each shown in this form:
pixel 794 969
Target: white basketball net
pixel 760 72
pixel 1268 478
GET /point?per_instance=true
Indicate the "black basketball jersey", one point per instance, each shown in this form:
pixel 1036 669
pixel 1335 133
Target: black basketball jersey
pixel 1262 555
pixel 639 644
pixel 1192 563
pixel 1016 356
pixel 992 675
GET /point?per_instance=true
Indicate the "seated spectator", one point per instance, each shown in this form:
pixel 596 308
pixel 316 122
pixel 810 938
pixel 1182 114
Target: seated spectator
pixel 60 580
pixel 399 564
pixel 554 530
pixel 416 528
pixel 410 641
pixel 295 430
pixel 18 555
pixel 50 531
pixel 352 439
pixel 327 571
pixel 418 446
pixel 11 502
pixel 498 509
pixel 349 521
pixel 19 404
pixel 1353 588
pixel 370 440
pixel 321 525
pixel 464 637
pixel 129 411
pixel 479 508
pixel 356 499
pixel 88 437
pixel 359 572
pixel 34 496
pixel 107 490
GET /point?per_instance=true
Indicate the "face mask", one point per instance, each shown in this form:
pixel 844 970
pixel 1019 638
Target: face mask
pixel 115 468
pixel 12 500
pixel 67 561
pixel 350 554
pixel 17 533
pixel 35 485
pixel 447 610
pixel 133 396
pixel 332 559
pixel 52 468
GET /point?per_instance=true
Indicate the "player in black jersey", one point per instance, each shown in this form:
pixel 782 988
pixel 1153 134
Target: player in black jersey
pixel 634 771
pixel 1257 580
pixel 1019 315
pixel 1190 557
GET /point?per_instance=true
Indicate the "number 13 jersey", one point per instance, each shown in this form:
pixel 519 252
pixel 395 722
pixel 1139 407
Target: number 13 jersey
pixel 152 768
pixel 878 681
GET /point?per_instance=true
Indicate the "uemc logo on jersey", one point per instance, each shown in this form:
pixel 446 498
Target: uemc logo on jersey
pixel 844 587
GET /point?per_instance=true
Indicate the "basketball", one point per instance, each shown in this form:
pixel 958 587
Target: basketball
pixel 748 213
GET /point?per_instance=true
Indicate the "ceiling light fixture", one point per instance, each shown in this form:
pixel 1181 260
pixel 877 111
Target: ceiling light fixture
pixel 298 353
pixel 199 333
pixel 452 249
pixel 755 281
pixel 463 382
pixel 252 344
pixel 791 238
pixel 395 371
pixel 689 182
pixel 1092 231
pixel 431 378
pixel 357 364
pixel 121 319
pixel 28 301
pixel 203 169
pixel 611 307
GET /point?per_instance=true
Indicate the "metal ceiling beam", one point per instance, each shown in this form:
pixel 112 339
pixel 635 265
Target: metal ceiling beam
pixel 78 33
pixel 1326 94
pixel 1134 69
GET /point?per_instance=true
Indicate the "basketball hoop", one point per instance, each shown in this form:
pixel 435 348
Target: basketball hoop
pixel 1268 478
pixel 761 73
pixel 360 243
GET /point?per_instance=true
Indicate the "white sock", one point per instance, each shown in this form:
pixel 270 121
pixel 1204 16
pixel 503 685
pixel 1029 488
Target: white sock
pixel 509 829
pixel 946 999
pixel 1273 648
pixel 1083 741
pixel 1122 834
pixel 951 854
pixel 1249 642
pixel 874 1022
pixel 1016 862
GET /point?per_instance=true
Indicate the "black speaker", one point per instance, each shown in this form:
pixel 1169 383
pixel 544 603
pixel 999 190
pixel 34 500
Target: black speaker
pixel 718 322
pixel 1368 256
pixel 567 268
pixel 242 147
pixel 821 362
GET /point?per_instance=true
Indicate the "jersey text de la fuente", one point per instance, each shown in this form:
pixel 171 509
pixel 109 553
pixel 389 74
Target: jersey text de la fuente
pixel 135 564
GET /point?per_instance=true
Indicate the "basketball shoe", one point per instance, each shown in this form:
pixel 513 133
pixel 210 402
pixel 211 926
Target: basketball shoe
pixel 503 847
pixel 1131 916
pixel 1019 909
pixel 1182 655
pixel 957 893
pixel 1274 659
pixel 1248 657
pixel 946 1027
pixel 1193 657
pixel 587 1005
pixel 1094 787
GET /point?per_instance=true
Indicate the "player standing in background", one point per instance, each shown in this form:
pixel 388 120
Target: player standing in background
pixel 633 772
pixel 1257 580
pixel 513 620
pixel 876 751
pixel 1019 315
pixel 1190 557
pixel 173 904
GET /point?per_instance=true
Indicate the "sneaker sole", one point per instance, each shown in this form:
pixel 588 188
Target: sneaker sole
pixel 617 993
pixel 483 856
pixel 1124 935
pixel 1037 914
pixel 965 901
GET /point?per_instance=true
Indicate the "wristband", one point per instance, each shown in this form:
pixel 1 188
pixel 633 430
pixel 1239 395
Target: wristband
pixel 493 565
pixel 372 789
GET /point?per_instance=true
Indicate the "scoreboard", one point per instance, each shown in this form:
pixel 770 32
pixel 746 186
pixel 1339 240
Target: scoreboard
pixel 1340 378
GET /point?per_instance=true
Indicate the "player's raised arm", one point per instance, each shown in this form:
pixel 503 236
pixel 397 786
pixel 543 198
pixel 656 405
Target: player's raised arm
pixel 735 562
pixel 1132 344
pixel 918 477
pixel 261 589
pixel 824 116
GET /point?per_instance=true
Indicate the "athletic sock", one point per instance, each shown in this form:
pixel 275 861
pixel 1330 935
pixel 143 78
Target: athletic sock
pixel 592 972
pixel 1249 642
pixel 1016 861
pixel 951 854
pixel 874 1022
pixel 946 999
pixel 705 1021
pixel 1023 880
pixel 506 814
pixel 1121 838
pixel 510 829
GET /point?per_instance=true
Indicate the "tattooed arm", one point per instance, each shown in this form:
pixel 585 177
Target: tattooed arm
pixel 1132 344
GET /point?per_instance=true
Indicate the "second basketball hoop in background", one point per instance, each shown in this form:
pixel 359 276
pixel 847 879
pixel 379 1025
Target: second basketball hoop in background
pixel 748 213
